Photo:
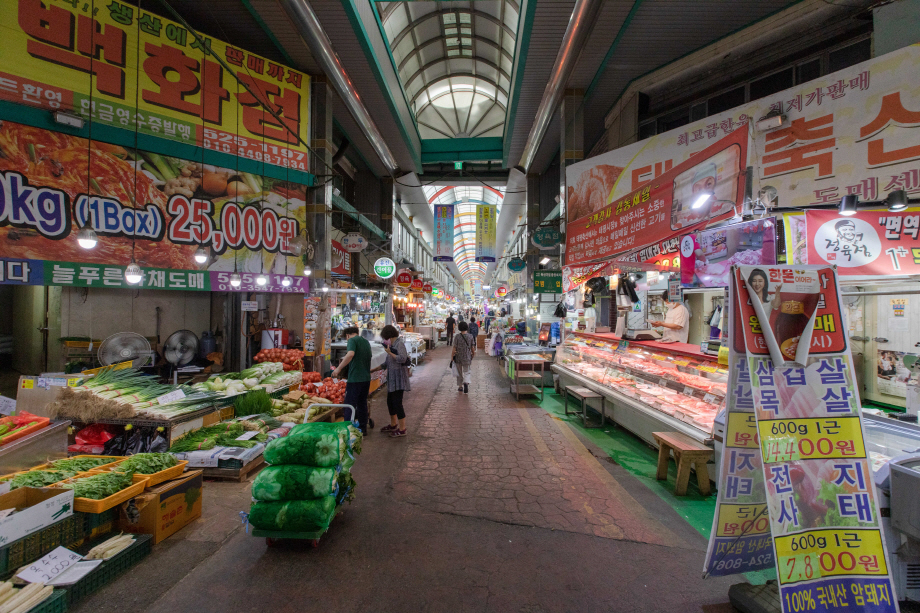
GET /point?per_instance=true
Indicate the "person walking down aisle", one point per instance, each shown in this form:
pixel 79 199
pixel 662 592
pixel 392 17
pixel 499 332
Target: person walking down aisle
pixel 462 356
pixel 397 380
pixel 451 322
pixel 474 331
pixel 358 360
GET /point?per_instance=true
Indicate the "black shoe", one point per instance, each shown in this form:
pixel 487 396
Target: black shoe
pixel 370 423
pixel 460 389
pixel 466 388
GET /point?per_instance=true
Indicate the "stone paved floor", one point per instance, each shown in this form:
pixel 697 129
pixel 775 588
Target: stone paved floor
pixel 489 505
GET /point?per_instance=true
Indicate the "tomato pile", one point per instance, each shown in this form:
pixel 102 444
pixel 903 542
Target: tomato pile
pixel 291 358
pixel 312 377
pixel 330 389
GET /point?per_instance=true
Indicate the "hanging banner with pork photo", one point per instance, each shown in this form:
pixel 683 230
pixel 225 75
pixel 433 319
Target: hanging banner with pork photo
pixel 707 188
pixel 874 242
pixel 824 516
pixel 443 233
pixel 183 93
pixel 156 208
pixel 707 256
pixel 485 232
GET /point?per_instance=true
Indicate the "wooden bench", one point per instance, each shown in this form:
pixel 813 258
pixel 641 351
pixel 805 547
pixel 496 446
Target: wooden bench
pixel 583 394
pixel 686 452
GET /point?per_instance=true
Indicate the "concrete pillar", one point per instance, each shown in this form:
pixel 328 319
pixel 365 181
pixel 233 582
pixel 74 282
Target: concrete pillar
pixel 532 218
pixel 895 25
pixel 319 208
pixel 572 141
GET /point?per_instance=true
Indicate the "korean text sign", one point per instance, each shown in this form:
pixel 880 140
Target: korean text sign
pixel 824 516
pixel 444 233
pixel 703 189
pixel 186 95
pixel 485 232
pixel 871 242
pixel 547 282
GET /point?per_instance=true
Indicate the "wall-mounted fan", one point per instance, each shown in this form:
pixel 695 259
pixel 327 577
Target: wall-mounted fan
pixel 180 348
pixel 125 346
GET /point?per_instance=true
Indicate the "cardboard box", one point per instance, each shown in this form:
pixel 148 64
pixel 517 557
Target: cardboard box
pixel 167 507
pixel 34 394
pixel 36 508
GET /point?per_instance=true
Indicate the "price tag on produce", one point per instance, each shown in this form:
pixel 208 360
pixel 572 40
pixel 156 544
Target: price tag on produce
pixel 288 424
pixel 663 382
pixel 688 391
pixel 50 566
pixel 7 406
pixel 247 435
pixel 171 397
pixel 709 398
pixel 708 368
pixel 680 362
pixel 658 357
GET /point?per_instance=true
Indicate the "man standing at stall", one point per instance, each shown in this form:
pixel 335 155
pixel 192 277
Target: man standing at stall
pixel 676 321
pixel 451 322
pixel 358 361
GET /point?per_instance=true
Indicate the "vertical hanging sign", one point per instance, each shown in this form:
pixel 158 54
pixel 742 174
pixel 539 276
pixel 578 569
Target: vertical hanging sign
pixel 485 232
pixel 444 233
pixel 824 517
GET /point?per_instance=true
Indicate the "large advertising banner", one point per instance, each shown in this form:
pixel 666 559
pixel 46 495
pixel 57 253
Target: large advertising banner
pixel 749 242
pixel 740 540
pixel 341 259
pixel 873 242
pixel 708 188
pixel 849 132
pixel 182 92
pixel 158 209
pixel 485 232
pixel 443 233
pixel 824 517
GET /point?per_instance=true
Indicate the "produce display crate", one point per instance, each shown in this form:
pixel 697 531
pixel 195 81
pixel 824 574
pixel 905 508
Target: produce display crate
pixel 173 472
pixel 41 422
pixel 88 505
pixel 56 603
pixel 115 459
pixel 234 470
pixel 109 570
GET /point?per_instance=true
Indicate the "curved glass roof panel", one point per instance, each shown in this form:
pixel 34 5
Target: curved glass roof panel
pixel 465 198
pixel 454 61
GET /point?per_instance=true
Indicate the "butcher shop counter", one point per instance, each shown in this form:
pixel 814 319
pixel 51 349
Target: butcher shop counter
pixel 648 386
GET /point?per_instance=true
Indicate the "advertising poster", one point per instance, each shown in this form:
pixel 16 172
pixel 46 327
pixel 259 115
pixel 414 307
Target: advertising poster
pixel 796 234
pixel 160 209
pixel 184 94
pixel 341 259
pixel 824 517
pixel 747 243
pixel 485 232
pixel 443 233
pixel 895 371
pixel 317 340
pixel 848 132
pixel 740 540
pixel 574 276
pixel 874 242
pixel 705 189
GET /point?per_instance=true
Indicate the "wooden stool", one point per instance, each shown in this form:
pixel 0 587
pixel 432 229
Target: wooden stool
pixel 686 452
pixel 583 394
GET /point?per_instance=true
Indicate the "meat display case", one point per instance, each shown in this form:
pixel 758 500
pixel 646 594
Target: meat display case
pixel 651 387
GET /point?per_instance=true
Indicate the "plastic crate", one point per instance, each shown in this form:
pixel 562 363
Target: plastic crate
pixel 56 603
pixel 68 532
pixel 109 570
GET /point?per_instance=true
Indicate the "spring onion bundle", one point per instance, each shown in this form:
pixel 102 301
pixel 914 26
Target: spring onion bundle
pixel 98 487
pixel 147 463
pixel 193 401
pixel 209 437
pixel 255 402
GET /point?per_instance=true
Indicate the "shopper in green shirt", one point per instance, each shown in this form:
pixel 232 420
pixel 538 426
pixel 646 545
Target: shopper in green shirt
pixel 358 361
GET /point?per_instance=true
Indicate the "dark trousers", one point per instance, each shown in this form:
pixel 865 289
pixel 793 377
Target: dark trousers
pixel 395 404
pixel 356 396
pixel 450 335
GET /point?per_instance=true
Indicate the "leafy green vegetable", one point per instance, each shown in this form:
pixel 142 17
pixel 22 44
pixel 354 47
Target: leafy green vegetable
pixel 40 478
pixel 79 464
pixel 223 434
pixel 293 515
pixel 97 487
pixel 253 402
pixel 293 482
pixel 147 463
pixel 308 448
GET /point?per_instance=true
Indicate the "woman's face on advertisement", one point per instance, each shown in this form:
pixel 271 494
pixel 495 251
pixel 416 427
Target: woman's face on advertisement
pixel 706 184
pixel 757 284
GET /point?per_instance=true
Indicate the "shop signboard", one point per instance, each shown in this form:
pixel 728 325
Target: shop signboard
pixel 501 291
pixel 874 242
pixel 485 232
pixel 749 243
pixel 665 253
pixel 436 293
pixel 823 511
pixel 427 288
pixel 341 259
pixel 354 242
pixel 574 276
pixel 443 233
pixel 848 132
pixel 417 285
pixel 185 95
pixel 158 209
pixel 547 282
pixel 516 264
pixel 707 188
pixel 404 278
pixel 384 268
pixel 546 237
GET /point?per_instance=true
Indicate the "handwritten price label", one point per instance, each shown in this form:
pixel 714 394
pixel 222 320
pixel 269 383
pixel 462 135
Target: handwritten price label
pixel 50 566
pixel 663 382
pixel 831 552
pixel 709 398
pixel 171 397
pixel 800 568
pixel 779 449
pixel 816 438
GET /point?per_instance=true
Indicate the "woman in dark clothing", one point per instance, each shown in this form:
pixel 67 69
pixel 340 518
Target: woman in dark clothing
pixel 397 380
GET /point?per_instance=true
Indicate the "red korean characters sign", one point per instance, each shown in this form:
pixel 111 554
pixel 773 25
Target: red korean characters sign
pixel 404 278
pixel 341 259
pixel 427 288
pixel 706 188
pixel 501 291
pixel 185 94
pixel 874 242
pixel 417 285
pixel 574 276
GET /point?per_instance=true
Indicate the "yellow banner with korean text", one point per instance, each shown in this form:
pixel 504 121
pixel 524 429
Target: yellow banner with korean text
pixel 152 73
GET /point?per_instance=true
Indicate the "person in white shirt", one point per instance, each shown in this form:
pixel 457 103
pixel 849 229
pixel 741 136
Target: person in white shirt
pixel 676 321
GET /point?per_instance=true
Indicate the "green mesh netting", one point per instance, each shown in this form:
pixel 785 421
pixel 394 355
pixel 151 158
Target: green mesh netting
pixel 294 482
pixel 308 448
pixel 293 515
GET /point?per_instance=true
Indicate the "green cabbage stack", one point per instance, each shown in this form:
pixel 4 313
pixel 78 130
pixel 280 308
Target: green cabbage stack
pixel 319 448
pixel 293 515
pixel 293 482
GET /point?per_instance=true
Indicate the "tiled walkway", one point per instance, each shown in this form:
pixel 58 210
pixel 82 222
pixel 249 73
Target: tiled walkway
pixel 483 454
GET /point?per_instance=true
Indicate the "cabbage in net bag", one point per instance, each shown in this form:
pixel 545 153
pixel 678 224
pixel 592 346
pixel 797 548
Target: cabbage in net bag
pixel 294 482
pixel 293 515
pixel 308 448
pixel 349 433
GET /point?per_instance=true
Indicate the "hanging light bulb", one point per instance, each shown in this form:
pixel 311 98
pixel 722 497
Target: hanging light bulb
pixel 133 273
pixel 235 279
pixel 286 282
pixel 86 237
pixel 261 279
pixel 307 271
pixel 201 255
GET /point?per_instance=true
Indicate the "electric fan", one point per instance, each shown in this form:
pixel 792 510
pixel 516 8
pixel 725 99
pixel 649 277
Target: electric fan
pixel 180 348
pixel 125 346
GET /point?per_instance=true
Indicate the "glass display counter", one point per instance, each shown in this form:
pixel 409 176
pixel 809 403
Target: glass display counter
pixel 652 387
pixel 887 438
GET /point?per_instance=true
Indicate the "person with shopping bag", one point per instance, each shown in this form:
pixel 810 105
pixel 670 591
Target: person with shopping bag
pixel 462 357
